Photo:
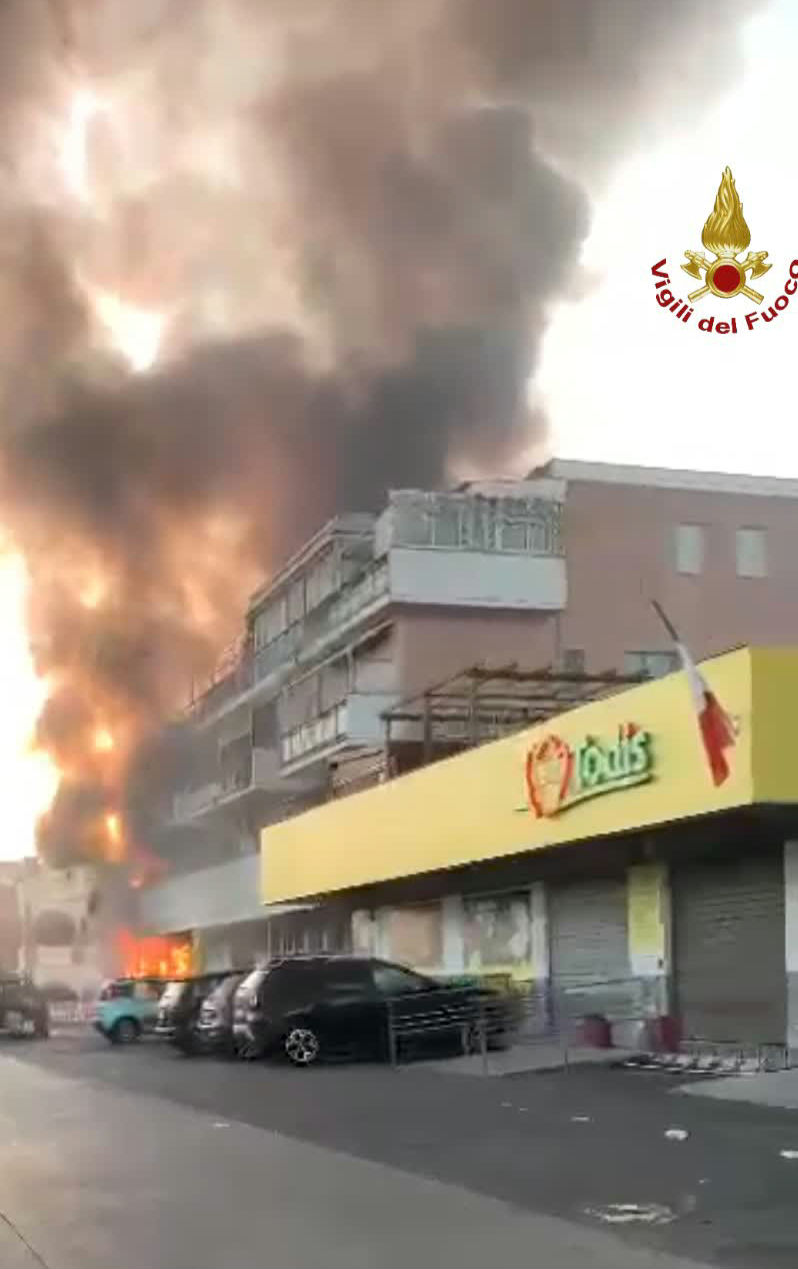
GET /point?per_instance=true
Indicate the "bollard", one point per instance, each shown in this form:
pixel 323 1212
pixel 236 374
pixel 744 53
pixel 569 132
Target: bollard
pixel 483 1038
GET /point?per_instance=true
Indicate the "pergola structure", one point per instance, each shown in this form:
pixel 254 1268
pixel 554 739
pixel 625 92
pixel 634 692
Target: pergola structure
pixel 485 702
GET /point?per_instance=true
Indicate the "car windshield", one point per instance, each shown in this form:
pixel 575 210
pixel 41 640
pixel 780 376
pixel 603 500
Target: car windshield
pixel 226 988
pixel 173 992
pixel 252 981
pixel 115 990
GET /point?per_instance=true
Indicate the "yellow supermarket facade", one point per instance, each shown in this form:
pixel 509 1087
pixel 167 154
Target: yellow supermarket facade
pixel 629 761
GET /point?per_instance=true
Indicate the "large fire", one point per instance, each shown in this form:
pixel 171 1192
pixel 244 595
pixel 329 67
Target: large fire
pixel 155 957
pixel 135 333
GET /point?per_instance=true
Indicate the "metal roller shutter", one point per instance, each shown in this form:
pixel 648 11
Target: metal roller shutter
pixel 728 931
pixel 589 948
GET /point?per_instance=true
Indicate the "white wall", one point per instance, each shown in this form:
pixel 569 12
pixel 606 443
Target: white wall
pixel 477 579
pixel 211 896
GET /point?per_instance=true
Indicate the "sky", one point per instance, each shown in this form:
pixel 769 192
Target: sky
pixel 624 381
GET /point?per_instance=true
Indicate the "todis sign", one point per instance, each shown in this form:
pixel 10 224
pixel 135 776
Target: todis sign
pixel 559 775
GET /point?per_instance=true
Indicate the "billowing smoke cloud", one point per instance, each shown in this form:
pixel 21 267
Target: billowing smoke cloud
pixel 340 224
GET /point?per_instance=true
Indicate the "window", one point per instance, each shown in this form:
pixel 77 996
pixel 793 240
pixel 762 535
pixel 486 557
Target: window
pixel 347 979
pixel 573 660
pixel 752 553
pixel 689 549
pixel 260 632
pixel 296 602
pixel 413 527
pixel 655 664
pixel 392 980
pixel 146 991
pixel 446 527
pixel 270 623
pixel 513 536
pixel 320 582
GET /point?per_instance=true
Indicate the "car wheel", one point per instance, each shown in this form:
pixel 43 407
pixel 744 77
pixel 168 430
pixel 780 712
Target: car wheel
pixel 125 1031
pixel 301 1046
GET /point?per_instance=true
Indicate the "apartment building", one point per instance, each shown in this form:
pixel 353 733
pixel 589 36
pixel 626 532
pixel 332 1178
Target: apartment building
pixel 555 570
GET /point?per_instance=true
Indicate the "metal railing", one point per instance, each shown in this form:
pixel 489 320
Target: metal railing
pixel 581 1014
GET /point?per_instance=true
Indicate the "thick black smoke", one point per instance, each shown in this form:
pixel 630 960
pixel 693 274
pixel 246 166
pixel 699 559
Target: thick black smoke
pixel 354 215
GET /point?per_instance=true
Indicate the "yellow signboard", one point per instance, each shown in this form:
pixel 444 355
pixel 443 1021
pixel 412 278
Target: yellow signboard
pixel 467 808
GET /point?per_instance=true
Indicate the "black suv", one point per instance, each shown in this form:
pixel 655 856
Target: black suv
pixel 308 1006
pixel 179 1008
pixel 23 1008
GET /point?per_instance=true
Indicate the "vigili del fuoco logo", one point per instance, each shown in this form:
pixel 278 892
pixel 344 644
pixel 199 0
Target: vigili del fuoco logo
pixel 725 236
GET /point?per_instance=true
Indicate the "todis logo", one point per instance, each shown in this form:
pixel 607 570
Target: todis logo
pixel 727 273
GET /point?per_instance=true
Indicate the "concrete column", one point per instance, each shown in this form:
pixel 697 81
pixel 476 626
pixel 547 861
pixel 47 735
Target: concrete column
pixel 791 941
pixel 649 933
pixel 364 933
pixel 539 917
pixel 453 935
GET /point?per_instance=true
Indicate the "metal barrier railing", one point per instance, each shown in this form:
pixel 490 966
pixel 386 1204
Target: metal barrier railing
pixel 577 1014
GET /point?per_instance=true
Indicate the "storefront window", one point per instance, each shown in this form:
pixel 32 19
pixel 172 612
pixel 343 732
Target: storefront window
pixel 415 936
pixel 498 932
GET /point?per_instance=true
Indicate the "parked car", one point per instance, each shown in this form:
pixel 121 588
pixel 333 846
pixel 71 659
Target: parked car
pixel 214 1030
pixel 179 1008
pixel 127 1008
pixel 23 1007
pixel 308 1006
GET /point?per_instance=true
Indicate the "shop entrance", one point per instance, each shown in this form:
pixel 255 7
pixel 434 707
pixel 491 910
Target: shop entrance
pixel 728 945
pixel 589 949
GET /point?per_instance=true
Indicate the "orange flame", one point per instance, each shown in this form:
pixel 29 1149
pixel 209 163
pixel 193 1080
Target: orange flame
pixel 103 740
pixel 113 826
pixel 157 956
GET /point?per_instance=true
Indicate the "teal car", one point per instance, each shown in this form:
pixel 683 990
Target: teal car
pixel 127 1008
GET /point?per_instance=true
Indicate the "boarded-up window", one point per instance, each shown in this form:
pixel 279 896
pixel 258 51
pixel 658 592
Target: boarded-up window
pixel 415 935
pixel 498 931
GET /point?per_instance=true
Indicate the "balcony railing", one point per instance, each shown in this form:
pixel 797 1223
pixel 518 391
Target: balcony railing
pixel 306 637
pixel 224 689
pixel 357 721
pixel 316 734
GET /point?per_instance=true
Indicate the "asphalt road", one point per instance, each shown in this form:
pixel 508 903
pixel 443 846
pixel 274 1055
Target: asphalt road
pixel 587 1146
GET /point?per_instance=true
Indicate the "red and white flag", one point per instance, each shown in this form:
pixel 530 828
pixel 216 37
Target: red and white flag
pixel 716 727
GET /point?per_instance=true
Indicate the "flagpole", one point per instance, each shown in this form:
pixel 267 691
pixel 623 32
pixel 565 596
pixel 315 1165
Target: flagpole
pixel 667 623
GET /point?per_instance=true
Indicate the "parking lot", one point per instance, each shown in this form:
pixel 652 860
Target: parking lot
pixel 582 1144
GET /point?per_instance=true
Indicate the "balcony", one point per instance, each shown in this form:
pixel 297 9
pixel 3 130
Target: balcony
pixel 355 722
pixel 217 698
pixel 262 777
pixel 316 633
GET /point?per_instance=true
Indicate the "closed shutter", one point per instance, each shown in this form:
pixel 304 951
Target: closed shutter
pixel 589 948
pixel 728 931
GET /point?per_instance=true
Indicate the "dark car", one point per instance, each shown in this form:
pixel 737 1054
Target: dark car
pixel 23 1007
pixel 308 1006
pixel 214 1030
pixel 180 1005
